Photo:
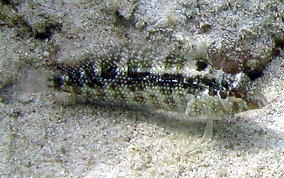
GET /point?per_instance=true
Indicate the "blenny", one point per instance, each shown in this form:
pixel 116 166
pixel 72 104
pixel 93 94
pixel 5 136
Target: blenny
pixel 197 93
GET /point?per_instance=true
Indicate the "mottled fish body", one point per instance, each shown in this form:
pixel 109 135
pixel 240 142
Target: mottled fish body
pixel 212 93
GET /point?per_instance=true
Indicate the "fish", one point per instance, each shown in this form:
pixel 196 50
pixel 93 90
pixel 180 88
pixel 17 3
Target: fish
pixel 205 92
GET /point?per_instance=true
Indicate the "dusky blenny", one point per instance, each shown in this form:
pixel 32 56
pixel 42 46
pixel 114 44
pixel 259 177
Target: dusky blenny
pixel 211 93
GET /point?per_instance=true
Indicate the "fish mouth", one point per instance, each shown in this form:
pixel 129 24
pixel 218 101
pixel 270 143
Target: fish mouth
pixel 244 101
pixel 242 93
pixel 255 100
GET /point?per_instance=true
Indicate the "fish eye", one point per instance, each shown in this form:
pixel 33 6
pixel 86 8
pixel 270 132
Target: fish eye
pixel 223 95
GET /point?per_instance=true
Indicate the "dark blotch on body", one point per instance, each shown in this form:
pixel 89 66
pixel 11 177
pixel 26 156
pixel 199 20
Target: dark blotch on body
pixel 56 82
pixel 172 77
pixel 109 72
pixel 132 73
